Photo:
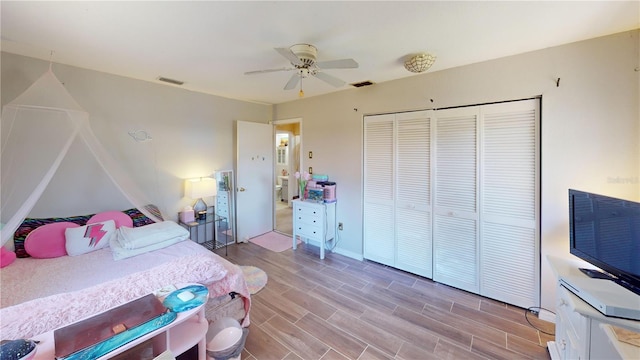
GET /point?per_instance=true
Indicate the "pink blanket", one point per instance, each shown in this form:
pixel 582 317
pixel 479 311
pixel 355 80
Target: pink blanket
pixel 44 314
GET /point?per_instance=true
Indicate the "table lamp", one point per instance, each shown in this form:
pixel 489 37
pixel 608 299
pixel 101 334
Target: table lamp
pixel 197 189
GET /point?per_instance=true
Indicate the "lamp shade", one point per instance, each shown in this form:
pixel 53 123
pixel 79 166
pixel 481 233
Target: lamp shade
pixel 199 188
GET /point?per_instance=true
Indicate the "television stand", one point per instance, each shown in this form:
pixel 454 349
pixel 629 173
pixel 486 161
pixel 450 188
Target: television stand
pixel 582 332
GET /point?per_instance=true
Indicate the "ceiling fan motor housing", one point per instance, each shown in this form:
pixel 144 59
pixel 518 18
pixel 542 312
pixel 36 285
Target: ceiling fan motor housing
pixel 306 53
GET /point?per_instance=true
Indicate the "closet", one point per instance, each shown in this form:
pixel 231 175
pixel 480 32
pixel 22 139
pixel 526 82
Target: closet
pixel 397 202
pixel 453 195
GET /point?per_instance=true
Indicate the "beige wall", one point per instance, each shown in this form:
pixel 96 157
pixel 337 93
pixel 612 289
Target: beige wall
pixel 590 126
pixel 193 135
pixel 589 136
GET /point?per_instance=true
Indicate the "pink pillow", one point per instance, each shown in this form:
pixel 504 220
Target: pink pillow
pixel 120 218
pixel 48 241
pixel 7 257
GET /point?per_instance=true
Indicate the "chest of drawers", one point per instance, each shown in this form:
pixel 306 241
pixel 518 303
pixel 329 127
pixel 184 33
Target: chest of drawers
pixel 314 221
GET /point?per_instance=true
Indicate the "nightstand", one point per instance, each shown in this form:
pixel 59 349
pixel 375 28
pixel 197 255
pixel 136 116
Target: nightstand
pixel 314 221
pixel 213 224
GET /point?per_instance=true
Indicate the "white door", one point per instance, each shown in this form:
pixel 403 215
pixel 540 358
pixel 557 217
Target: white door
pixel 455 221
pixel 414 248
pixel 254 185
pixel 509 203
pixel 397 191
pixel 379 220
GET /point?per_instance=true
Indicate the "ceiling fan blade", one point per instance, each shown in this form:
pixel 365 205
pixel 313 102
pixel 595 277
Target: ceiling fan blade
pixel 287 53
pixel 331 80
pixel 267 71
pixel 293 81
pixel 337 64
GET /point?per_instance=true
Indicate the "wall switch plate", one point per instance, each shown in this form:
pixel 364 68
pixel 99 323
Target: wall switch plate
pixel 310 170
pixel 310 154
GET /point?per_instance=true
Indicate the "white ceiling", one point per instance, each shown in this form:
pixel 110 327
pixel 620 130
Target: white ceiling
pixel 211 44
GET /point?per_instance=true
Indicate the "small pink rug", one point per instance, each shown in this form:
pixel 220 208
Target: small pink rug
pixel 274 241
pixel 255 277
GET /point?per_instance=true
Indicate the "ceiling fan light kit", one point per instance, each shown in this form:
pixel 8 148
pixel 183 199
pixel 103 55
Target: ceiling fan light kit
pixel 419 62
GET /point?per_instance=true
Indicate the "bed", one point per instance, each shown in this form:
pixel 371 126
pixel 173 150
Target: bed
pixel 42 294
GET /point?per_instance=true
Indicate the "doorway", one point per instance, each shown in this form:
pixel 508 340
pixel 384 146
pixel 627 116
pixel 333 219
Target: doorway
pixel 287 162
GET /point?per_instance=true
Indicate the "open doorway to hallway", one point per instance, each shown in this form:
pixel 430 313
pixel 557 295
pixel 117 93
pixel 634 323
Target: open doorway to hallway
pixel 288 144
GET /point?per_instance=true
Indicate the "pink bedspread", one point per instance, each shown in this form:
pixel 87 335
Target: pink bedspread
pixel 68 289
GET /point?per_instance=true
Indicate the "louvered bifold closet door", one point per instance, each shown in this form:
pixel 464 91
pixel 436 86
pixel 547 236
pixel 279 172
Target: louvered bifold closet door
pixel 378 222
pixel 509 264
pixel 413 193
pixel 455 200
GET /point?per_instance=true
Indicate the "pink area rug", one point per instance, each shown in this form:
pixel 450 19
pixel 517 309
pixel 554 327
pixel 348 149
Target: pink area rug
pixel 255 277
pixel 274 241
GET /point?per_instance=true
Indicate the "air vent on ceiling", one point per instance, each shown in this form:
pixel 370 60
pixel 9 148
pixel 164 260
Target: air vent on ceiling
pixel 363 83
pixel 170 81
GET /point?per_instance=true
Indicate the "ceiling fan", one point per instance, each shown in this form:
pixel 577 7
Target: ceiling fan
pixel 303 59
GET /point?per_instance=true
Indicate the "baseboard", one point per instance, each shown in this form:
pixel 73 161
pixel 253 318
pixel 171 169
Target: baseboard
pixel 349 254
pixel 547 316
pixel 338 250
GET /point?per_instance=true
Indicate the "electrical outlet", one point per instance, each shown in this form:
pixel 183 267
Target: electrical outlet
pixel 339 226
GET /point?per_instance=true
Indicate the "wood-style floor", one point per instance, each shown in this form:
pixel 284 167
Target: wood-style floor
pixel 341 308
pixel 284 218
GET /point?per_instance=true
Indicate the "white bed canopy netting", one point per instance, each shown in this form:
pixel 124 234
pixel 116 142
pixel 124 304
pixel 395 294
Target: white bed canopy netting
pixel 40 128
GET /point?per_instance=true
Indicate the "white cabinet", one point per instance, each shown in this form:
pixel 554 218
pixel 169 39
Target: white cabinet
pixel 282 155
pixel 581 331
pixel 572 328
pixel 314 221
pixel 222 203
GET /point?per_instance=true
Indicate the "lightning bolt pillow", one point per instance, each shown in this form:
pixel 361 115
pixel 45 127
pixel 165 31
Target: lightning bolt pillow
pixel 88 238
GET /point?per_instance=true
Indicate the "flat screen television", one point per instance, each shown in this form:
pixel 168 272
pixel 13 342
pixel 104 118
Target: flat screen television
pixel 605 232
